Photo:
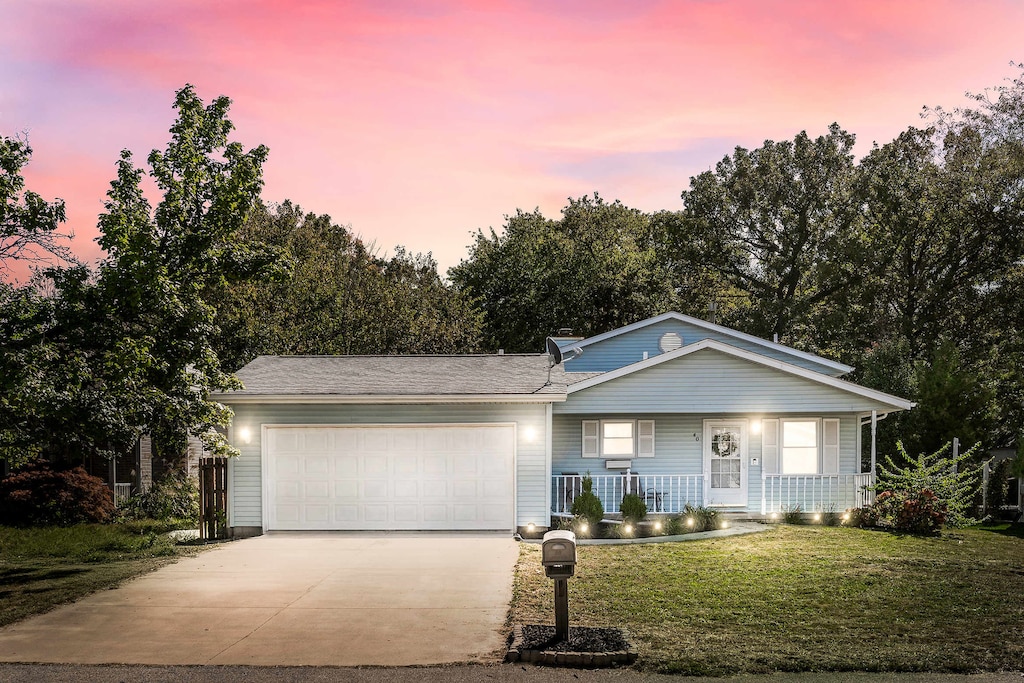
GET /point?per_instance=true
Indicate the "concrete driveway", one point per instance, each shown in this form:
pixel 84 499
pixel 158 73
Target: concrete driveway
pixel 293 599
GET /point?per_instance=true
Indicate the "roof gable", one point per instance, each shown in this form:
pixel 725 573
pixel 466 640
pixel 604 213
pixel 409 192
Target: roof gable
pixel 629 344
pixel 864 395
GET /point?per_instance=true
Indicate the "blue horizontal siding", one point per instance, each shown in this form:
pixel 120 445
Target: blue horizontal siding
pixel 629 347
pixel 709 381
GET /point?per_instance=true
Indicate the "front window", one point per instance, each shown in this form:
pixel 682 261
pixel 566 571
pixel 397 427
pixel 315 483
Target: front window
pixel 617 438
pixel 800 447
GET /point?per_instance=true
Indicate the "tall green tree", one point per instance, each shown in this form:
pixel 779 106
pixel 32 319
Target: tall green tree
pixel 338 297
pixel 161 261
pixel 29 225
pixel 105 356
pixel 782 225
pixel 594 269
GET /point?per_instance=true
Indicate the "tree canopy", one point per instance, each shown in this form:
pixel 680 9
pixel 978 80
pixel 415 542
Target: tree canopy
pixel 594 269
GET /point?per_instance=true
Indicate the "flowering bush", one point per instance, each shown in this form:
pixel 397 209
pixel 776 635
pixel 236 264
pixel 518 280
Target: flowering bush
pixel 40 495
pixel 954 481
pixel 916 512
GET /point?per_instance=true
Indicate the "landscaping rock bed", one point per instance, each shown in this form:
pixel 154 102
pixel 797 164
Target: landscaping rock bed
pixel 586 647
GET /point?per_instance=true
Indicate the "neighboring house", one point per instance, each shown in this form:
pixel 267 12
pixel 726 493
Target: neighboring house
pixel 135 471
pixel 675 409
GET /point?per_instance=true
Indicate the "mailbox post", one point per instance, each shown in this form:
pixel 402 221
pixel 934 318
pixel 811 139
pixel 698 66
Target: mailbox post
pixel 558 555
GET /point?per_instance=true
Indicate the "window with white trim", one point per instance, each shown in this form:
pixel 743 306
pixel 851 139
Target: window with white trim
pixel 799 447
pixel 618 438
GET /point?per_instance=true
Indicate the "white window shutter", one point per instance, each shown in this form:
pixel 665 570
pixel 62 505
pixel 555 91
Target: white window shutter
pixel 645 438
pixel 770 446
pixel 591 439
pixel 830 445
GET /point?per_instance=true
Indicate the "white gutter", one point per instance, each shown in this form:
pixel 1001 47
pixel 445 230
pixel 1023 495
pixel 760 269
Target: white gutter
pixel 235 399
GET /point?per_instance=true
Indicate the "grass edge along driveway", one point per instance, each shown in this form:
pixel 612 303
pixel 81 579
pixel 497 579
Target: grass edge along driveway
pixel 42 568
pixel 799 598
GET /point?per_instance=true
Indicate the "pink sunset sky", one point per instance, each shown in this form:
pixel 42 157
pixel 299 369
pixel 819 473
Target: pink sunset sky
pixel 416 123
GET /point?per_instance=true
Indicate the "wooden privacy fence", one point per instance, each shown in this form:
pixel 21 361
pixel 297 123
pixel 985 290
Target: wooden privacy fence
pixel 213 498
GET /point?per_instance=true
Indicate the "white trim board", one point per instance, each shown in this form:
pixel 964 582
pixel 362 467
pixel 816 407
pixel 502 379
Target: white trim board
pixel 371 399
pixel 697 322
pixel 888 399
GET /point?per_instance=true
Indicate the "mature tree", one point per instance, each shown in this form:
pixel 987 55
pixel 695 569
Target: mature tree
pixel 109 355
pixel 783 226
pixel 339 297
pixel 160 262
pixel 593 270
pixel 945 212
pixel 28 224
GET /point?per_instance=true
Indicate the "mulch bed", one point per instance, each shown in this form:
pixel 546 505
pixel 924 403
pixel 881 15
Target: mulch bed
pixel 586 647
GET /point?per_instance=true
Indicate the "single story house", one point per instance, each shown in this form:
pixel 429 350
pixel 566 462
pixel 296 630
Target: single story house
pixel 676 409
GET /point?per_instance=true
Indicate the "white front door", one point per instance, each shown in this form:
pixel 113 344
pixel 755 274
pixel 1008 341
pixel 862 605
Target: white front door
pixel 725 456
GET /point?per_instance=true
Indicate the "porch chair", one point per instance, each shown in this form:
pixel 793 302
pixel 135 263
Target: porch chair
pixel 651 497
pixel 573 487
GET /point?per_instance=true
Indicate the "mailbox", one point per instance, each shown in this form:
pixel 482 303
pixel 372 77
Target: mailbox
pixel 558 554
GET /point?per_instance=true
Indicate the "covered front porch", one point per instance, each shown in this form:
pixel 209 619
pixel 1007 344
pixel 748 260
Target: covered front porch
pixel 668 494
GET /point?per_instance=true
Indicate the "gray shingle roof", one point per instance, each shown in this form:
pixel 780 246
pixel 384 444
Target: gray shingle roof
pixel 457 375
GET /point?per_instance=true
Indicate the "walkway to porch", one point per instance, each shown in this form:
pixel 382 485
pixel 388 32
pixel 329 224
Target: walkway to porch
pixel 671 493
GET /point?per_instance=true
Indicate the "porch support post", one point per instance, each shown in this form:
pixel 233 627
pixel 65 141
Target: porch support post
pixel 874 431
pixel 764 500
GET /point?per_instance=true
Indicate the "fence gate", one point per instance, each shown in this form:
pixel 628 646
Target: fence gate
pixel 213 498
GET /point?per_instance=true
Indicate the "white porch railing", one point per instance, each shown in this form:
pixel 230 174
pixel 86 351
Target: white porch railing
pixel 814 492
pixel 663 493
pixel 122 492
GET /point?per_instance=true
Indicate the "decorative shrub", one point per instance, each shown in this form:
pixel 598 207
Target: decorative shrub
pixel 39 495
pixel 704 518
pixel 174 500
pixel 633 508
pixel 954 481
pixel 587 505
pixel 916 512
pixel 792 514
pixel 830 517
pixel 863 517
pixel 675 525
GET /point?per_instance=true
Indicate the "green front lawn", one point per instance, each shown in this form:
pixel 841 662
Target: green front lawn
pixel 43 568
pixel 800 598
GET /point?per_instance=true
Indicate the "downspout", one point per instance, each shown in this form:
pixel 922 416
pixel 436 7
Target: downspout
pixel 874 432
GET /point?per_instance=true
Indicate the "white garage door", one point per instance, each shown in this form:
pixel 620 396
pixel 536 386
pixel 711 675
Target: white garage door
pixel 394 477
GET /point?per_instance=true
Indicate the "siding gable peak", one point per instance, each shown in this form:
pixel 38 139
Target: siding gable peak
pixel 895 402
pixel 819 363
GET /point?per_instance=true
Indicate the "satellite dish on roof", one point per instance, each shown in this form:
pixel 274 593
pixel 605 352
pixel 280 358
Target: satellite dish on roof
pixel 554 353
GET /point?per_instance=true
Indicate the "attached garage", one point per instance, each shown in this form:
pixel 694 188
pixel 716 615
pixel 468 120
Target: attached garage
pixel 392 443
pixel 394 477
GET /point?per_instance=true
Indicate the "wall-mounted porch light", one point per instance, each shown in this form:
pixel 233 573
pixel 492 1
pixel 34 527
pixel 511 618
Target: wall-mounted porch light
pixel 245 435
